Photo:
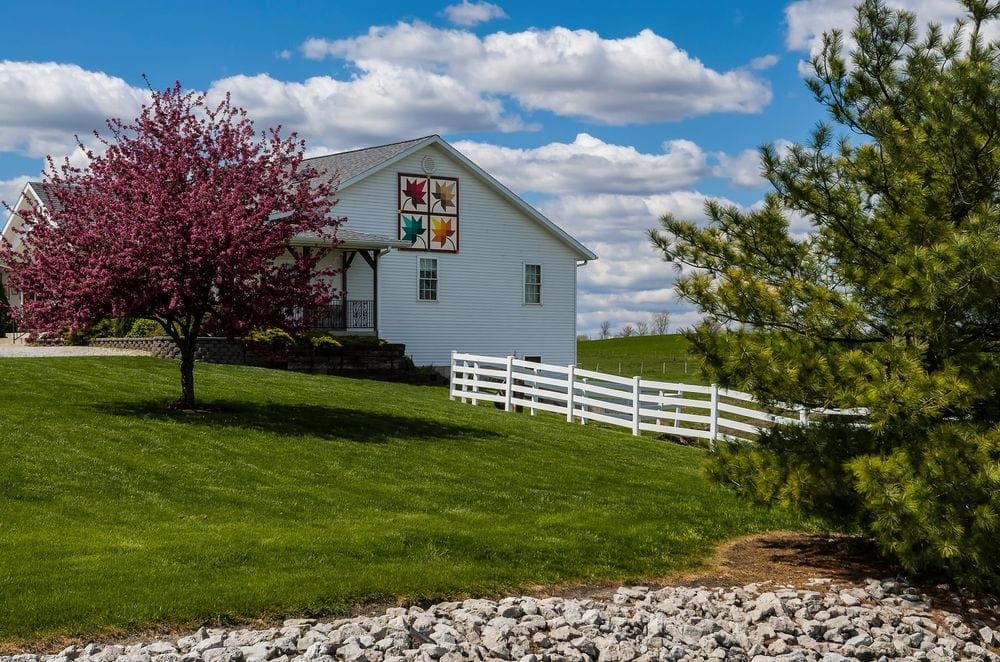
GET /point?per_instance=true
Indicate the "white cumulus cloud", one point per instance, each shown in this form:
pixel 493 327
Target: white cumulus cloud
pixel 473 13
pixel 807 20
pixel 366 109
pixel 590 165
pixel 10 191
pixel 764 62
pixel 45 103
pixel 630 281
pixel 639 79
pixel 744 168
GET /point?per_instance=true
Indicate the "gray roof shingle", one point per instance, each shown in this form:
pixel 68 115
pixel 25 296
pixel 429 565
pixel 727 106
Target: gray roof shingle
pixel 44 192
pixel 348 239
pixel 347 164
pixel 357 161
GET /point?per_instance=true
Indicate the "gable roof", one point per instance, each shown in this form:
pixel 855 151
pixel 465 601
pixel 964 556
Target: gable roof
pixel 359 161
pixel 37 195
pixel 359 164
pixel 44 194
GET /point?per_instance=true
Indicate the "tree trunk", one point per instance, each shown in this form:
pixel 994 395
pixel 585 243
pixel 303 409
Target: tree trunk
pixel 187 373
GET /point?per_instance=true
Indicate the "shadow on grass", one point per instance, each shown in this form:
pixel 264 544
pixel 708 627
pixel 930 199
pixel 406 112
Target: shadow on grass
pixel 299 420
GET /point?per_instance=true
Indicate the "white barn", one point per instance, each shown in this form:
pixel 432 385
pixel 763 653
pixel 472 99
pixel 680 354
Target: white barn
pixel 503 282
pixel 440 256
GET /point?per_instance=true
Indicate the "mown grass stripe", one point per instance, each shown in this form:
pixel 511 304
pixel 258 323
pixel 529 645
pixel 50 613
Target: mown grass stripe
pixel 310 493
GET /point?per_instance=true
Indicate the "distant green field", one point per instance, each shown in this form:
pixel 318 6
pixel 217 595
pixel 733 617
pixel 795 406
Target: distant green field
pixel 652 357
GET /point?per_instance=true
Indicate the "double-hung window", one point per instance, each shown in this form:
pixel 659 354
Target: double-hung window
pixel 427 279
pixel 532 283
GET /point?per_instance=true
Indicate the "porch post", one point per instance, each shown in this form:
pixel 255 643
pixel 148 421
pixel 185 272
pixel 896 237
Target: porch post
pixel 372 261
pixel 375 254
pixel 343 289
pixel 348 259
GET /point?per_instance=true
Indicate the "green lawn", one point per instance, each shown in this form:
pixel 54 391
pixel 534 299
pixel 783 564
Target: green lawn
pixel 307 494
pixel 653 357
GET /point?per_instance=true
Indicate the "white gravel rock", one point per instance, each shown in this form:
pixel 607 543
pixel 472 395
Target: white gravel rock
pixel 880 621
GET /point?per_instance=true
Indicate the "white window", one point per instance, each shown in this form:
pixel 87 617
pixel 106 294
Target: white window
pixel 427 279
pixel 532 283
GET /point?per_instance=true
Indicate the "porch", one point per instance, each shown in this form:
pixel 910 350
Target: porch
pixel 348 315
pixel 355 311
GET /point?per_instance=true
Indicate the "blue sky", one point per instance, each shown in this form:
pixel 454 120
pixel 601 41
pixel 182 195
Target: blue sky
pixel 602 114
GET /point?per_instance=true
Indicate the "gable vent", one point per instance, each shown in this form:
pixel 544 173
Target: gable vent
pixel 428 165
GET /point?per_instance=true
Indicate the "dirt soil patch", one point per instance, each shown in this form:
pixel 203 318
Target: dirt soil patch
pixel 793 559
pixel 807 561
pixel 781 558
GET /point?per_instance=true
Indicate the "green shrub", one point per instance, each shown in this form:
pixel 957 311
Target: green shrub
pixel 320 340
pixel 804 469
pixel 143 328
pixel 935 505
pixel 121 326
pixel 102 329
pixel 276 340
pixel 361 342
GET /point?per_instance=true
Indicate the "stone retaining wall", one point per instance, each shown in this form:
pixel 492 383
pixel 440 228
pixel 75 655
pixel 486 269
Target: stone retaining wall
pixel 210 350
pixel 385 359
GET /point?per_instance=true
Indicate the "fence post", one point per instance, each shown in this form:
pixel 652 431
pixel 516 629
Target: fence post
pixel 509 392
pixel 804 416
pixel 677 410
pixel 465 380
pixel 451 377
pixel 475 382
pixel 583 407
pixel 659 406
pixel 713 427
pixel 570 390
pixel 534 391
pixel 636 393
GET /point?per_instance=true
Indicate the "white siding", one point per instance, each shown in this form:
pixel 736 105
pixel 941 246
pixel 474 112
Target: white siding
pixel 480 305
pixel 12 227
pixel 359 279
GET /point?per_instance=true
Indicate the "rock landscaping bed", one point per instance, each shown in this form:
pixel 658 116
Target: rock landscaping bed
pixel 876 621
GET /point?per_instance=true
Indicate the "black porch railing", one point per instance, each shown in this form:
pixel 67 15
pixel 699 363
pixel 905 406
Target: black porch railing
pixel 348 314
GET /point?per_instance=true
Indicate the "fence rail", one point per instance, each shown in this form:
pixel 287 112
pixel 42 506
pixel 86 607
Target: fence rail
pixel 642 405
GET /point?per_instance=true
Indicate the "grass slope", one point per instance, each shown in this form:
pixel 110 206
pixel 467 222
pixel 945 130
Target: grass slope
pixel 653 357
pixel 309 493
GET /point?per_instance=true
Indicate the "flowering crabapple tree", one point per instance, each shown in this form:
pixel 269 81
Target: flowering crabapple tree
pixel 185 219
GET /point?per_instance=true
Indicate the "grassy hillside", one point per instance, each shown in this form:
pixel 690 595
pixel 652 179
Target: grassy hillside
pixel 653 357
pixel 307 494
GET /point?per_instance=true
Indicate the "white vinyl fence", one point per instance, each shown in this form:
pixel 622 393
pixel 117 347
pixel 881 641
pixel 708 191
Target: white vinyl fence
pixel 642 405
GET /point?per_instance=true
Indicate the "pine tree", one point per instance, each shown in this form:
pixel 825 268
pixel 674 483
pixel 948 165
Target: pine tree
pixel 891 301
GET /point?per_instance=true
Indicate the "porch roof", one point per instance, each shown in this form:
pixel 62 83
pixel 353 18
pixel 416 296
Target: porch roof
pixel 349 239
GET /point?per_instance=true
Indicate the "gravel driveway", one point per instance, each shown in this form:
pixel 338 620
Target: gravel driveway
pixel 42 351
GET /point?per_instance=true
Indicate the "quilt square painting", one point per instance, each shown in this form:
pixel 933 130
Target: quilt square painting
pixel 428 212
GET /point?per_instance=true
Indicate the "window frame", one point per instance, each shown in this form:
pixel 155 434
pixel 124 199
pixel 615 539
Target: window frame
pixel 436 279
pixel 525 284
